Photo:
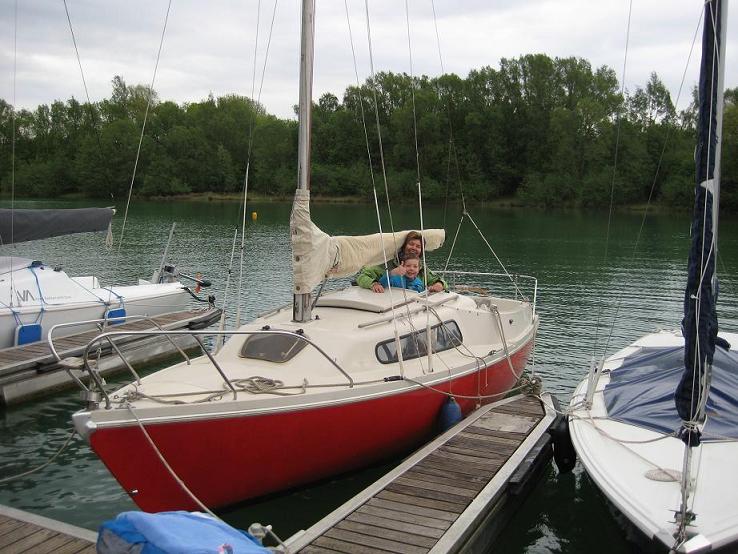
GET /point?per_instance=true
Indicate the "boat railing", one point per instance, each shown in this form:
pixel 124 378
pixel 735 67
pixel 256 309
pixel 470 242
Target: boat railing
pixel 102 323
pixel 479 282
pixel 93 398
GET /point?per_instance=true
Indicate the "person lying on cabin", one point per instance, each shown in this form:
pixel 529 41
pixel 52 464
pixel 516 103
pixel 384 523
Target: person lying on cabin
pixel 369 276
pixel 406 276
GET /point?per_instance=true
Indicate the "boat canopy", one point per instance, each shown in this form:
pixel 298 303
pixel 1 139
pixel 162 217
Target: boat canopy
pixel 24 225
pixel 641 392
pixel 317 255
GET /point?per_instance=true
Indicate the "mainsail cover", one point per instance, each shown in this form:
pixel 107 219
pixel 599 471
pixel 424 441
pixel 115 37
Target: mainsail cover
pixel 24 225
pixel 700 324
pixel 317 255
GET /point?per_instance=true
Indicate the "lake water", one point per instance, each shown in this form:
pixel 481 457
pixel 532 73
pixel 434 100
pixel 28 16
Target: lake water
pixel 586 297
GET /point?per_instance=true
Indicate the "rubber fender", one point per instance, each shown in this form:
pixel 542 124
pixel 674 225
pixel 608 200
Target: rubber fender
pixel 449 415
pixel 564 454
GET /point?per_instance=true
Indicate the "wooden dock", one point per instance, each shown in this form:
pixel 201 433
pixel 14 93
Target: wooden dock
pixel 31 370
pixel 24 532
pixel 452 495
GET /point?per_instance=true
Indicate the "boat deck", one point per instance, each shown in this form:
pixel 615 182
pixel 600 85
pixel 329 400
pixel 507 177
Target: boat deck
pixel 454 494
pixel 24 532
pixel 30 370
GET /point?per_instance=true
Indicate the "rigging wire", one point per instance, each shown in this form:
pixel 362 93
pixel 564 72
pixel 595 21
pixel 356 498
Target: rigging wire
pixel 619 301
pixel 420 190
pixel 87 95
pixel 252 126
pixel 143 128
pixel 12 155
pixel 376 114
pixel 614 173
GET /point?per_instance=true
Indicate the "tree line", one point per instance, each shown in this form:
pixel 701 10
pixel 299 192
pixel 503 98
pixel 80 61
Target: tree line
pixel 539 130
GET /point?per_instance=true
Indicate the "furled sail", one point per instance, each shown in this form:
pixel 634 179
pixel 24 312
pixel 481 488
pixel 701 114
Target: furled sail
pixel 700 324
pixel 24 225
pixel 317 255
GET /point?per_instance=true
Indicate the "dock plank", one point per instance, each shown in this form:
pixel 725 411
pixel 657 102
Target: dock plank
pixel 387 520
pixel 384 533
pixel 492 439
pixel 434 503
pixel 480 430
pixel 402 516
pixel 440 462
pixel 312 549
pixel 337 545
pixel 473 479
pixel 19 532
pixel 427 493
pixel 29 542
pixel 421 473
pixel 375 542
pixel 469 461
pixel 435 486
pixel 483 456
pixel 76 546
pixel 54 544
pixel 498 421
pixel 410 509
pixel 8 526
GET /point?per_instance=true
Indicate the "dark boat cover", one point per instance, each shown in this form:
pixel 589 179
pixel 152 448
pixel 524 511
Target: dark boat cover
pixel 25 225
pixel 641 392
pixel 700 322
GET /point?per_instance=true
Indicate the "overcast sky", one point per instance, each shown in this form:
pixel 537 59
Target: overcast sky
pixel 209 45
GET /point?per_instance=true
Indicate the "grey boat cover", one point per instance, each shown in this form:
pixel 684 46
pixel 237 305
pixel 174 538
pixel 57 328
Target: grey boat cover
pixel 24 225
pixel 641 392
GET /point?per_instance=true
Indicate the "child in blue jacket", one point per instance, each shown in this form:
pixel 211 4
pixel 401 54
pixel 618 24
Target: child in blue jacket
pixel 404 276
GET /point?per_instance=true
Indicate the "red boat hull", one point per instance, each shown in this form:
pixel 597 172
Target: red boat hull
pixel 230 459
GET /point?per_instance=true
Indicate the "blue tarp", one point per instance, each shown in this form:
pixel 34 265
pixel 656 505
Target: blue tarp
pixel 641 392
pixel 173 533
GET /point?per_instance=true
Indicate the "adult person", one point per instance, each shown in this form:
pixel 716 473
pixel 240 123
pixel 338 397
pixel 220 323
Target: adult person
pixel 369 276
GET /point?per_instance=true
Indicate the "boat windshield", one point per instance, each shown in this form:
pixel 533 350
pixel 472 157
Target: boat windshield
pixel 444 336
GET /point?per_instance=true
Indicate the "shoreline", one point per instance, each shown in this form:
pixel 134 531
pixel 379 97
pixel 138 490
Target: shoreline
pixel 499 203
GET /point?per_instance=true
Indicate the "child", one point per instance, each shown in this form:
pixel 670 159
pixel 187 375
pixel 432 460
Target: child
pixel 405 276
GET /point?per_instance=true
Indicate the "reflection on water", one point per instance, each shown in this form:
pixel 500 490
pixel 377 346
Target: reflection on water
pixel 588 304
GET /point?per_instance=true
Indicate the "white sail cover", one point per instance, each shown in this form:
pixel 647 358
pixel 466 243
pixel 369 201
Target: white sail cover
pixel 316 255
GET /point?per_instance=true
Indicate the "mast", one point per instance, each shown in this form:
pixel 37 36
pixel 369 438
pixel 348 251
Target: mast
pixel 700 323
pixel 301 301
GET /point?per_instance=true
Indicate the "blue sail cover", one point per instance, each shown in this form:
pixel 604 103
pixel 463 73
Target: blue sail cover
pixel 173 533
pixel 641 392
pixel 700 324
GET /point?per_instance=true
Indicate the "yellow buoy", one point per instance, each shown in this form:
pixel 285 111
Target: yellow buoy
pixel 253 216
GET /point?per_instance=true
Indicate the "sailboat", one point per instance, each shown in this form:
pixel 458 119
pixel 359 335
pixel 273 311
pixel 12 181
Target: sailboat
pixel 656 425
pixel 331 383
pixel 35 297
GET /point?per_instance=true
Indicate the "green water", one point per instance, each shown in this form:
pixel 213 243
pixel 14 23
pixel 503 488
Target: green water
pixel 578 286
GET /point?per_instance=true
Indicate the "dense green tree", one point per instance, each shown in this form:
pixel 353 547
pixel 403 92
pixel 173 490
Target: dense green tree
pixel 542 129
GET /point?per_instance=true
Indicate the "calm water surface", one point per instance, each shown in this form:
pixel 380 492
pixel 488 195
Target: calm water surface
pixel 587 300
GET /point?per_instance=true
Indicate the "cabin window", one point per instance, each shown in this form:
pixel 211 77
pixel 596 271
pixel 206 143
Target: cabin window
pixel 272 348
pixel 444 336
